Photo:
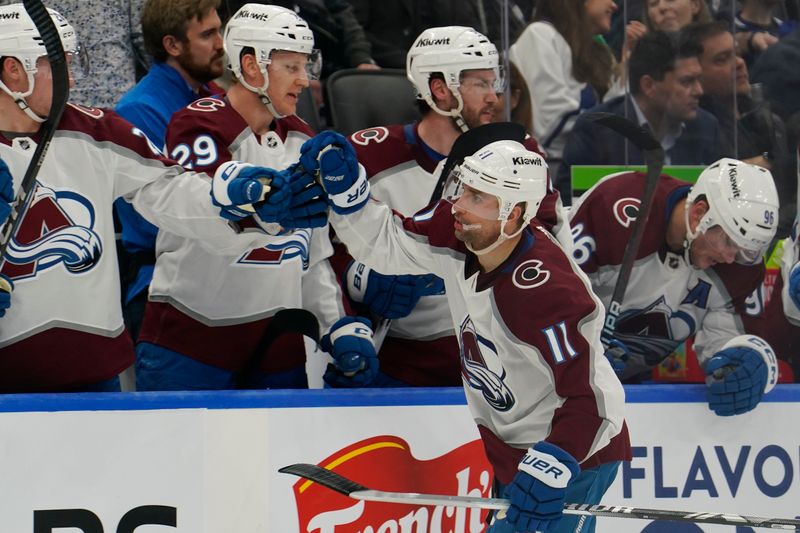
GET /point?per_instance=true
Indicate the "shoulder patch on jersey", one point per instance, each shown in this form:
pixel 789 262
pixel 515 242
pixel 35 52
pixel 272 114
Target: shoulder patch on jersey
pixel 626 210
pixel 93 112
pixel 530 274
pixel 206 105
pixel 376 135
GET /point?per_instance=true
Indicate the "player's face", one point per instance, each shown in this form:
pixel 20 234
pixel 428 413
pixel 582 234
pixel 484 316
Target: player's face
pixel 723 70
pixel 472 228
pixel 42 96
pixel 201 54
pixel 680 90
pixel 477 89
pixel 672 15
pixel 712 247
pixel 599 13
pixel 287 79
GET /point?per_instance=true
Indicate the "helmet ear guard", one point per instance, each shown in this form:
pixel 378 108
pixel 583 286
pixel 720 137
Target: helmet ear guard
pixel 742 200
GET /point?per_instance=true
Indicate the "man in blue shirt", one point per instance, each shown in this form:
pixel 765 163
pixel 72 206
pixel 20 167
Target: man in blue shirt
pixel 184 39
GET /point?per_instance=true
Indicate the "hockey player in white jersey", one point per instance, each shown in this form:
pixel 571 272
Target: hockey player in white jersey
pixel 206 313
pixel 64 330
pixel 699 260
pixel 528 325
pixel 456 73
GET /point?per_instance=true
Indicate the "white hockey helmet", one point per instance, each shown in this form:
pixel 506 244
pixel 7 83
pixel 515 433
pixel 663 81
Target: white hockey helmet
pixel 743 201
pixel 509 172
pixel 20 39
pixel 267 29
pixel 450 50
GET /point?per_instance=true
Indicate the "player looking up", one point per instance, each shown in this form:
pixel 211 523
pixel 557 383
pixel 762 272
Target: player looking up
pixel 206 312
pixel 65 331
pixel 528 325
pixel 699 259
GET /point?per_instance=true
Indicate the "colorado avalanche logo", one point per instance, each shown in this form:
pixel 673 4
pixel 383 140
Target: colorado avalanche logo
pixel 295 244
pixel 56 229
pixel 626 210
pixel 655 331
pixel 481 374
pixel 376 135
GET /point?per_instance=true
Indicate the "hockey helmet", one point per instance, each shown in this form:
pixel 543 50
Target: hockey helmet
pixel 743 201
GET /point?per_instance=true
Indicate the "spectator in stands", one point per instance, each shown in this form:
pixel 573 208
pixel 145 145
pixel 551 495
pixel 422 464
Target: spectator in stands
pixel 758 28
pixel 111 35
pixel 748 128
pixel 184 39
pixel 665 97
pixel 566 69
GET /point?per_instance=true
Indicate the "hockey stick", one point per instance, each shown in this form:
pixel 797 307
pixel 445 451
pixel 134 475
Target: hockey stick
pixel 284 321
pixel 465 145
pixel 653 155
pixel 342 485
pixel 60 72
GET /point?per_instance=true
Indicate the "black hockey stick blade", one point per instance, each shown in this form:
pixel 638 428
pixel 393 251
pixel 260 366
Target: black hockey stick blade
pixel 284 321
pixel 473 140
pixel 342 485
pixel 60 75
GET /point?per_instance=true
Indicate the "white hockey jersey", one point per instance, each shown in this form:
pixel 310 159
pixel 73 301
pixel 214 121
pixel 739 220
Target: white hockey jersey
pixel 215 307
pixel 421 349
pixel 666 300
pixel 65 327
pixel 529 334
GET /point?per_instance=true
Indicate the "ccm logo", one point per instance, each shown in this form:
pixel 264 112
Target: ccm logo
pixel 47 521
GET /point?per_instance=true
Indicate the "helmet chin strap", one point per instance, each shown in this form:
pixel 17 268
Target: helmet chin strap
pixel 19 99
pixel 689 238
pixel 455 114
pixel 262 92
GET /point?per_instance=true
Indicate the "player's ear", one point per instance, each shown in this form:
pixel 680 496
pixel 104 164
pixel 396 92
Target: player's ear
pixel 697 209
pixel 12 73
pixel 172 45
pixel 515 219
pixel 440 92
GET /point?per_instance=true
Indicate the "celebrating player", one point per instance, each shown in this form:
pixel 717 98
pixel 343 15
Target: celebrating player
pixel 699 259
pixel 66 330
pixel 527 322
pixel 206 313
pixel 457 76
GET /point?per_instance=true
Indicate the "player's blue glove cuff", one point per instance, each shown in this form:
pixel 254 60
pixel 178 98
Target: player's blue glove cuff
pixel 794 285
pixel 6 191
pixel 617 354
pixel 6 286
pixel 538 489
pixel 389 296
pixel 738 376
pixel 349 342
pixel 236 186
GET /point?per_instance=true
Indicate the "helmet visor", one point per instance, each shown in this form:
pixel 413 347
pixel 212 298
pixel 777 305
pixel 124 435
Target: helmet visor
pixel 722 244
pixel 458 192
pixel 483 81
pixel 294 63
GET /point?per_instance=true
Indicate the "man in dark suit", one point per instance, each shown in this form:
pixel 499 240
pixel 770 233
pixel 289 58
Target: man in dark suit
pixel 665 92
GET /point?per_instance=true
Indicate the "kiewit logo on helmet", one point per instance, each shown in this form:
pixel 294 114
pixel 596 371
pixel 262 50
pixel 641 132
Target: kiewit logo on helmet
pixel 434 42
pixel 519 160
pixel 732 173
pixel 9 16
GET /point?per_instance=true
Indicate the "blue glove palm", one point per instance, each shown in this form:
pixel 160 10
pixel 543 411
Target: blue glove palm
pixel 330 155
pixel 6 191
pixel 389 296
pixel 735 379
pixel 349 342
pixel 537 491
pixel 307 207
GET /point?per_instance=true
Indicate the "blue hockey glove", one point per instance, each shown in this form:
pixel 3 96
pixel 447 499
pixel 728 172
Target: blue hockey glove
pixel 6 191
pixel 344 180
pixel 308 207
pixel 236 186
pixel 617 354
pixel 389 296
pixel 538 489
pixel 794 285
pixel 739 375
pixel 5 294
pixel 349 342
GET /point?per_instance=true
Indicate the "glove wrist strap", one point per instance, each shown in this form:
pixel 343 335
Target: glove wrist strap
pixel 546 468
